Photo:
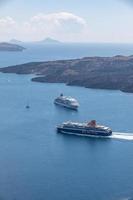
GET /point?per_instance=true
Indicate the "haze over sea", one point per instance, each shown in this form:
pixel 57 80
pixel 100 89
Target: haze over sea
pixel 36 163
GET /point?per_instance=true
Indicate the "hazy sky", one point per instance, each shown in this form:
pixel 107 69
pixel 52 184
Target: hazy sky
pixel 67 20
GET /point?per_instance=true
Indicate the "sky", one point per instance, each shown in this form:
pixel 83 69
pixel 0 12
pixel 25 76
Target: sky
pixel 67 20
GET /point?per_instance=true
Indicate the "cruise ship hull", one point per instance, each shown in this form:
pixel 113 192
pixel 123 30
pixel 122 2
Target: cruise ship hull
pixel 84 132
pixel 72 107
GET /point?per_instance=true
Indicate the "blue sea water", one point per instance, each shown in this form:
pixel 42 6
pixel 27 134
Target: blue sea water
pixel 62 51
pixel 36 163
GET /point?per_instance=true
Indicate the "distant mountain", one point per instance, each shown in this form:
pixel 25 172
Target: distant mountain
pixel 49 41
pixel 5 46
pixel 45 41
pixel 14 41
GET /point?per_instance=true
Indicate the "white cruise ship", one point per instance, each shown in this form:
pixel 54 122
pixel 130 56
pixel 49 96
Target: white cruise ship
pixel 67 102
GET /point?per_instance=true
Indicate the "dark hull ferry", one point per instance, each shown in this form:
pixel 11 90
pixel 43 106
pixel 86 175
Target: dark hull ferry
pixel 84 129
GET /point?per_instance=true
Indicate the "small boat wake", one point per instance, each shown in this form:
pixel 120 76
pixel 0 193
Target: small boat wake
pixel 121 136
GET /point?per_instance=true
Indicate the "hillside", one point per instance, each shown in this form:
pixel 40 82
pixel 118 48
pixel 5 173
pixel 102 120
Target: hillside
pixel 91 72
pixel 4 46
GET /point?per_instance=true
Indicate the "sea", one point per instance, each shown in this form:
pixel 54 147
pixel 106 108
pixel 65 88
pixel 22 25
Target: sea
pixel 37 163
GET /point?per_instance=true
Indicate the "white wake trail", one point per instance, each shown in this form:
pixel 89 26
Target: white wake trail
pixel 121 136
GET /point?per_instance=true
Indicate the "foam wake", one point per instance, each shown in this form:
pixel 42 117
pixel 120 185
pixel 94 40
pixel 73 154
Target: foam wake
pixel 121 136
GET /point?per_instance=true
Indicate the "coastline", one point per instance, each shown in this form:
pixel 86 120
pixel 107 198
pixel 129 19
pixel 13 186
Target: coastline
pixel 114 73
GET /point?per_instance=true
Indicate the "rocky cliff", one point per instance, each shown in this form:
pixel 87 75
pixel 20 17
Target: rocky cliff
pixel 91 72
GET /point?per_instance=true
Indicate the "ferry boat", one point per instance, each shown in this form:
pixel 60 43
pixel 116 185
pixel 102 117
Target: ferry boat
pixel 84 129
pixel 67 102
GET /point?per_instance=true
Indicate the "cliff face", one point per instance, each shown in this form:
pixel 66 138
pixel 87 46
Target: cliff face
pixel 4 46
pixel 92 72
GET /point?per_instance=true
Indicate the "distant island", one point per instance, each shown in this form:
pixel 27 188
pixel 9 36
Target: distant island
pixel 4 46
pixel 114 73
pixel 45 41
pixel 49 41
pixel 14 41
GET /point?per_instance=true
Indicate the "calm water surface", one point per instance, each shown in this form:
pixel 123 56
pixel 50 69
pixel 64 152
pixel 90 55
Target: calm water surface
pixel 36 163
pixel 62 51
